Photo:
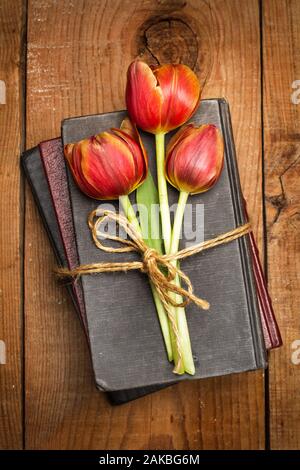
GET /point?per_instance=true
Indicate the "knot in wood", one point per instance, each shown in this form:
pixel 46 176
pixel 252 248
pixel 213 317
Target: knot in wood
pixel 169 40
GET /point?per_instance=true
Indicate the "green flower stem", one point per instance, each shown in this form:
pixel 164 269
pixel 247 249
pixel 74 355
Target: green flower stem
pixel 180 312
pixel 165 220
pixel 162 316
pixel 129 212
pixel 163 191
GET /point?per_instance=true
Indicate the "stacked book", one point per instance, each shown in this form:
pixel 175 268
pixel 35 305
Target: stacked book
pixel 116 310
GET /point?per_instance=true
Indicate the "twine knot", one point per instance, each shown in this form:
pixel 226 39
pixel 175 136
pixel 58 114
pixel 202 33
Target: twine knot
pixel 149 260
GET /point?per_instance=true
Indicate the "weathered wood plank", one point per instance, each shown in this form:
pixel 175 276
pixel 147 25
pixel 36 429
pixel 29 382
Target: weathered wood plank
pixel 11 24
pixel 281 21
pixel 78 53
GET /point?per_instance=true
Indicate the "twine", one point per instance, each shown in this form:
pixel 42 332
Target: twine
pixel 159 268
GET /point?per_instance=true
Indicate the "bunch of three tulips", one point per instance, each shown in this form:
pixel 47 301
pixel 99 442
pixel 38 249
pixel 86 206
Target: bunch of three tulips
pixel 114 163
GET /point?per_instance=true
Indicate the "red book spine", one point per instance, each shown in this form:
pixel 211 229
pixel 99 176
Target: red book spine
pixel 54 165
pixel 270 327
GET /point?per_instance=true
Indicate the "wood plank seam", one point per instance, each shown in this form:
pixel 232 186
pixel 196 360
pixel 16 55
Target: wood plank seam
pixel 23 72
pixel 282 169
pixel 264 254
pixel 11 23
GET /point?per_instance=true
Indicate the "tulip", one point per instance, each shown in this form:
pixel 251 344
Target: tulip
pixel 159 99
pixel 111 165
pixel 193 165
pixel 194 158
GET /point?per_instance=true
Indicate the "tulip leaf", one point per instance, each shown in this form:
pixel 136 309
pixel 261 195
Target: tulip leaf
pixel 148 206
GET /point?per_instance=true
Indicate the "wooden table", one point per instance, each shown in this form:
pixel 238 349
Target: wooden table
pixel 60 58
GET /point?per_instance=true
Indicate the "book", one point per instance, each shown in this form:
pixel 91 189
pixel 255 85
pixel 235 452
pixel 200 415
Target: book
pixel 126 344
pixel 33 168
pixel 59 226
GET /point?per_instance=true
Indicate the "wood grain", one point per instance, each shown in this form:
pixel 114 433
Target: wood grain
pixel 281 21
pixel 11 24
pixel 78 53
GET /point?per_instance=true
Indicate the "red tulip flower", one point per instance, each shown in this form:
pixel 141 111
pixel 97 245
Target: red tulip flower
pixel 161 98
pixel 109 165
pixel 195 158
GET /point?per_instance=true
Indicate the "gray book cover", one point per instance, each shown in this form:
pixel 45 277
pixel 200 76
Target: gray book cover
pixel 34 171
pixel 126 343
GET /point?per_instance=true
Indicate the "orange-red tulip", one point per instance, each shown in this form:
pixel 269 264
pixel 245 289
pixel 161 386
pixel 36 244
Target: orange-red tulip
pixel 195 158
pixel 161 98
pixel 109 165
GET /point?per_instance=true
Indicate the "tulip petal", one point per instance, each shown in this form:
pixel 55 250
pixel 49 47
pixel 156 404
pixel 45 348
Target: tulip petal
pixel 137 149
pixel 181 94
pixel 143 96
pixel 181 134
pixel 177 146
pixel 109 166
pixel 130 129
pixel 73 156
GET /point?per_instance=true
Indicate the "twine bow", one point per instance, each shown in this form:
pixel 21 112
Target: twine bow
pixel 161 269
